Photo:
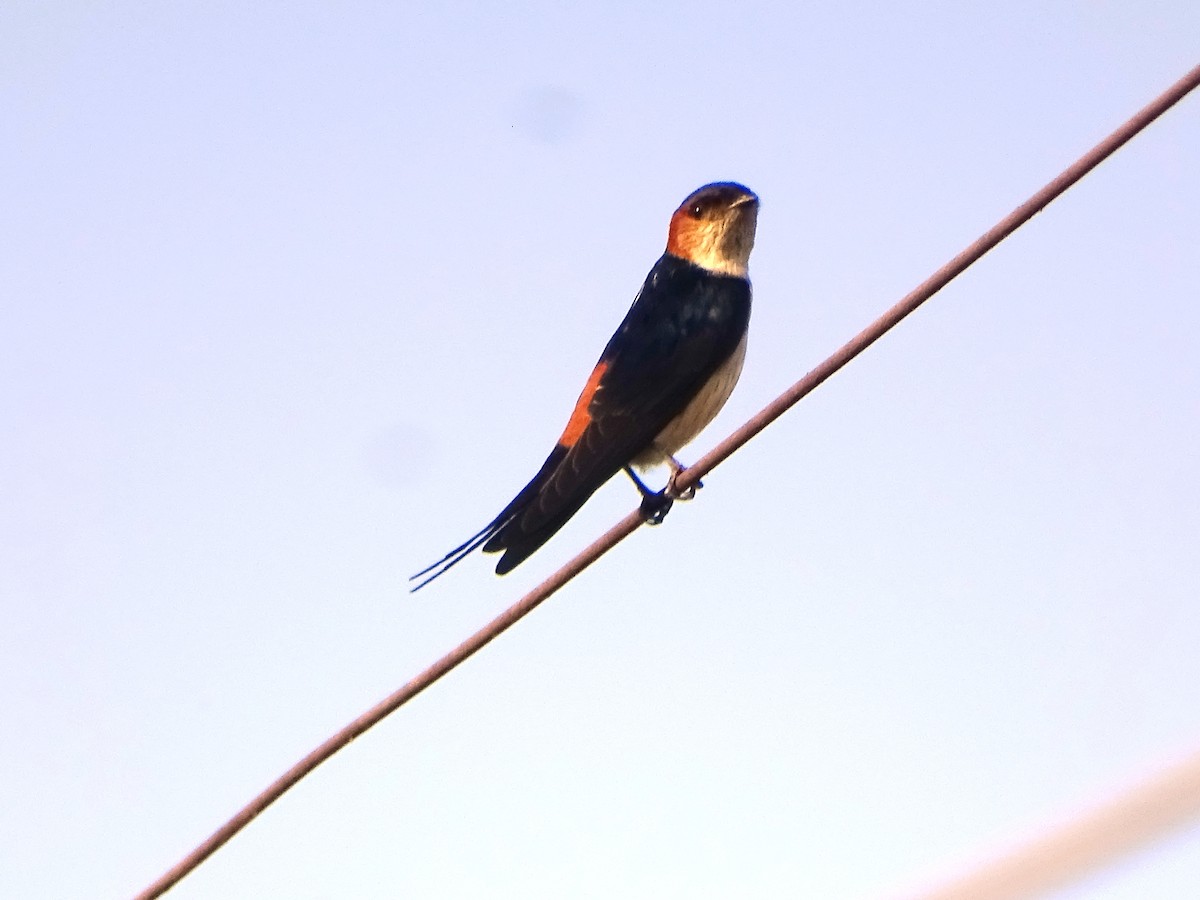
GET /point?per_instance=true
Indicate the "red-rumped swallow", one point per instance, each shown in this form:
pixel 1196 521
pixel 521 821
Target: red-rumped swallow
pixel 663 377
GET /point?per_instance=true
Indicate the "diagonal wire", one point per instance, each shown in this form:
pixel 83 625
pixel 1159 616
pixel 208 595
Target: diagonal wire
pixel 1122 824
pixel 688 477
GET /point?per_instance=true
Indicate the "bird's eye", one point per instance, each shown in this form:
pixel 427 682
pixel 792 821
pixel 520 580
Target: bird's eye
pixel 696 211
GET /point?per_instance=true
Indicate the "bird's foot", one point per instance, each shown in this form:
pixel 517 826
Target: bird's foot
pixel 688 493
pixel 655 507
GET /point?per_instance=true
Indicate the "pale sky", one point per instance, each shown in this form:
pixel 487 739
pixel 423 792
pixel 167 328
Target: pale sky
pixel 297 296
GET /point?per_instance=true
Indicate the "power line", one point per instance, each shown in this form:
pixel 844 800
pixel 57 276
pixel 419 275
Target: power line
pixel 687 478
pixel 1093 839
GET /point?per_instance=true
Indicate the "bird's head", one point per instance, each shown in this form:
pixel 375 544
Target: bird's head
pixel 714 228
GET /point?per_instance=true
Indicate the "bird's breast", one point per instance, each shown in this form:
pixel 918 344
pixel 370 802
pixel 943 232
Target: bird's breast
pixel 700 410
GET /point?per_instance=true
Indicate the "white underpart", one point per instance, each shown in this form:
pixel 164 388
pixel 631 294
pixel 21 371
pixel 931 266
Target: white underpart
pixel 697 414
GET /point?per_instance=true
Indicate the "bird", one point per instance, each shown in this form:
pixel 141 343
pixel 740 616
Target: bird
pixel 663 376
